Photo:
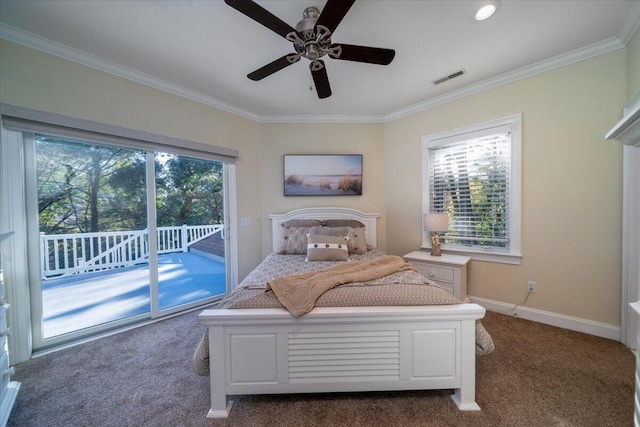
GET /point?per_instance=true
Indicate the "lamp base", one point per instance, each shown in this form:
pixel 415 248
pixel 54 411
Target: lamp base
pixel 435 245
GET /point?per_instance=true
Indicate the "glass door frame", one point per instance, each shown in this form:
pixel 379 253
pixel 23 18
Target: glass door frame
pixel 38 342
pixel 230 238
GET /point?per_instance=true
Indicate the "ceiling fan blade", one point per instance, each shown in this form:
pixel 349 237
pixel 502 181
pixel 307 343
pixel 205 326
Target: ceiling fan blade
pixel 370 55
pixel 333 12
pixel 272 67
pixel 261 15
pixel 320 79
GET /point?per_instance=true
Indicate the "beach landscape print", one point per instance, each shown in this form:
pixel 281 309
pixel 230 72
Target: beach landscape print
pixel 323 175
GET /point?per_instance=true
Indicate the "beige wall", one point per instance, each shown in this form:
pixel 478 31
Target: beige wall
pixel 571 176
pixel 633 65
pixel 29 78
pixel 280 139
pixel 571 186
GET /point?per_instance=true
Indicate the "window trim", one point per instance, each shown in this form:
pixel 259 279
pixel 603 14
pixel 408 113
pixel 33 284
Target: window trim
pixel 514 124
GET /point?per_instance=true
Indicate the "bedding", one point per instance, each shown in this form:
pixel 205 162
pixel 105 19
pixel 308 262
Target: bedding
pixel 405 287
pixel 293 241
pixel 291 237
pixel 356 237
pixel 353 223
pixel 327 248
pixel 298 293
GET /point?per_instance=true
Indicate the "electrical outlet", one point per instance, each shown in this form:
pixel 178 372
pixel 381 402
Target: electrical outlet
pixel 244 222
pixel 531 286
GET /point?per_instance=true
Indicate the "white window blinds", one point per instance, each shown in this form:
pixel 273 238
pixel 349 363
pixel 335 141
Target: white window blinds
pixel 469 180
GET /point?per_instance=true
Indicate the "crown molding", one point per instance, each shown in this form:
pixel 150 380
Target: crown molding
pixel 322 119
pixel 576 55
pixel 39 43
pixel 42 44
pixel 630 24
pixel 627 30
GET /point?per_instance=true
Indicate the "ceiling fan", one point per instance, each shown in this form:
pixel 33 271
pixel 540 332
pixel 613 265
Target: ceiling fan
pixel 312 40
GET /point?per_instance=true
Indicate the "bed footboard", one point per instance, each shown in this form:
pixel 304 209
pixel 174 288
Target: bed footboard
pixel 347 349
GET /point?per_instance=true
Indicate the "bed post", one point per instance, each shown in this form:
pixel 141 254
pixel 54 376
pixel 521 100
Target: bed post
pixel 220 407
pixel 465 396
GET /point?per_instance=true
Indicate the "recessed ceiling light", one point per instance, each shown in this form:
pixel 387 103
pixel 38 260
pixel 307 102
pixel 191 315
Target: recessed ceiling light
pixel 486 10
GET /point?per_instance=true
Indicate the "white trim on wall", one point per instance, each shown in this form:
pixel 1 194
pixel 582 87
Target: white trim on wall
pixel 42 44
pixel 630 288
pixel 16 269
pixel 577 324
pixel 630 25
pixel 599 48
pixel 33 41
pixel 231 219
pixel 513 124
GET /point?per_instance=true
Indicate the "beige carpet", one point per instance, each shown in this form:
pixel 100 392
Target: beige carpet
pixel 537 376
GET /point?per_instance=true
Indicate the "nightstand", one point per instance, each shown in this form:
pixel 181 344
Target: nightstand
pixel 448 271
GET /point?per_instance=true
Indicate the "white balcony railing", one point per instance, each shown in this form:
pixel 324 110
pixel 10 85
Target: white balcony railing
pixel 64 254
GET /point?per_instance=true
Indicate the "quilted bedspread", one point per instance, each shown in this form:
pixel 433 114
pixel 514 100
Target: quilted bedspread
pixel 407 287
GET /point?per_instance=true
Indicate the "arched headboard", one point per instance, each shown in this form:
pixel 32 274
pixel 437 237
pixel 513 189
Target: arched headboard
pixel 370 220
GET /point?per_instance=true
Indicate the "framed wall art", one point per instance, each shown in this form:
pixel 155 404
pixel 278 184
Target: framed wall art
pixel 323 174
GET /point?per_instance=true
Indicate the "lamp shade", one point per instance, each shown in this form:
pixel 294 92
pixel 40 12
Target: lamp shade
pixel 436 222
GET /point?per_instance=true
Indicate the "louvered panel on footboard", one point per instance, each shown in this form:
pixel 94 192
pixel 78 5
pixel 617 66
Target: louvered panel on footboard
pixel 381 354
pixel 344 356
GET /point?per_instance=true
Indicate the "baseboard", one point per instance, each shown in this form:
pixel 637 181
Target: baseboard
pixel 598 329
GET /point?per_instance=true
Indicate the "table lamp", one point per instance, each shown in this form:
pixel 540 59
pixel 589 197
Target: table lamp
pixel 434 222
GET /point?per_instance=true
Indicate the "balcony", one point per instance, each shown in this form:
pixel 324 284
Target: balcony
pixel 94 278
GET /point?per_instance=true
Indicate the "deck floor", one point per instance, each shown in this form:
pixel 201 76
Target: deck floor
pixel 84 300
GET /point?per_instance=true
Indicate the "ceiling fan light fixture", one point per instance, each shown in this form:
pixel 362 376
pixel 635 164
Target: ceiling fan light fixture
pixel 309 18
pixel 311 39
pixel 486 10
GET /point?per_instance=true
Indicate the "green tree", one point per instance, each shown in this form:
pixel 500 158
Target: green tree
pixel 189 192
pixel 73 185
pixel 127 199
pixel 84 187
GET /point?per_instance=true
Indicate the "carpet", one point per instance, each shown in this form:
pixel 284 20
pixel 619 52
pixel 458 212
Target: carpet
pixel 539 375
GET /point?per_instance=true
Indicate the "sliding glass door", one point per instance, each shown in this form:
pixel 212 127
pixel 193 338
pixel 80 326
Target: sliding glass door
pixel 92 218
pixel 124 235
pixel 190 229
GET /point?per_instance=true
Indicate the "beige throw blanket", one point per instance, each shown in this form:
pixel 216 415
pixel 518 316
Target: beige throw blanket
pixel 299 293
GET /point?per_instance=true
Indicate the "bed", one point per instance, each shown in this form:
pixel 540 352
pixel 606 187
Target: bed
pixel 328 348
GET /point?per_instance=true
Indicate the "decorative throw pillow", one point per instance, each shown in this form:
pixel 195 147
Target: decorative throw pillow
pixel 329 231
pixel 353 223
pixel 357 241
pixel 294 241
pixel 302 223
pixel 327 248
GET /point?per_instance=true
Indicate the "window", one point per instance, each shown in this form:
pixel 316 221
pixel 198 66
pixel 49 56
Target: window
pixel 473 175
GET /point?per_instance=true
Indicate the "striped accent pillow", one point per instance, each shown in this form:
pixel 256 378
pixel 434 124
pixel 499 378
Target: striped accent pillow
pixel 327 248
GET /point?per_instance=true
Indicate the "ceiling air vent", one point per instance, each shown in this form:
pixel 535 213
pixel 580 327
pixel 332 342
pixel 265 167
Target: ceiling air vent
pixel 449 77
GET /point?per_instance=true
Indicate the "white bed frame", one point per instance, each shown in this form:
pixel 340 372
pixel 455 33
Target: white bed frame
pixel 345 349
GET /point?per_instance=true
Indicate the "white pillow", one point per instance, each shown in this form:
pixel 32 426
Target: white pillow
pixel 327 248
pixel 357 239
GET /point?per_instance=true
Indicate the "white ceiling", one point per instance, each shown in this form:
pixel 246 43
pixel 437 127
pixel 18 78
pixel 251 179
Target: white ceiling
pixel 203 50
